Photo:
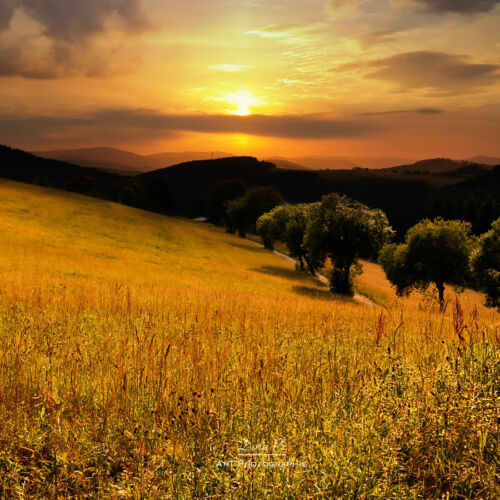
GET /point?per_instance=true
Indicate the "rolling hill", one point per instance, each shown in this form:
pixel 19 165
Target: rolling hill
pixel 437 166
pixel 343 163
pixel 138 351
pixel 65 234
pixel 185 188
pixel 485 160
pixel 125 162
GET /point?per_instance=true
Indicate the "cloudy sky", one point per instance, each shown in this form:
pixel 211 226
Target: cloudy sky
pixel 413 78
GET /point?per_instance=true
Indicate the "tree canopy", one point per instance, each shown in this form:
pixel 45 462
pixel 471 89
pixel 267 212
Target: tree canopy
pixel 485 264
pixel 242 213
pixel 221 195
pixel 344 230
pixel 288 224
pixel 434 252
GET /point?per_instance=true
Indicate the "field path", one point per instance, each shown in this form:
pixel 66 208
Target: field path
pixel 360 299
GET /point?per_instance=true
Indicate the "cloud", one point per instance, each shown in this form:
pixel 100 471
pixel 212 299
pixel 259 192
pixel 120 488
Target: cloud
pixel 438 6
pixel 75 20
pixel 229 68
pixel 69 45
pixel 458 6
pixel 446 73
pixel 377 38
pixel 338 4
pixel 14 62
pixel 134 124
pixel 6 13
pixel 420 111
pixel 62 60
pixel 287 30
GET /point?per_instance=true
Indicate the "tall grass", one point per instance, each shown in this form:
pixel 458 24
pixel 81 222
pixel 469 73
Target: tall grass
pixel 119 384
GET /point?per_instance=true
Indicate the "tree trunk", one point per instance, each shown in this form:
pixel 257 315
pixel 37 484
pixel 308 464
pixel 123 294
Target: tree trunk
pixel 301 263
pixel 345 285
pixel 440 287
pixel 339 281
pixel 309 265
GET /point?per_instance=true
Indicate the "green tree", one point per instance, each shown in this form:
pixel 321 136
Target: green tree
pixel 221 195
pixel 485 263
pixel 288 224
pixel 344 231
pixel 266 230
pixel 242 213
pixel 434 252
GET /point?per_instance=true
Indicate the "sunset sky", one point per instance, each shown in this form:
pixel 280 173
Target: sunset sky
pixel 412 78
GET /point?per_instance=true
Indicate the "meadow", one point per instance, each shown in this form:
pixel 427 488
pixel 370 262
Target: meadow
pixel 142 356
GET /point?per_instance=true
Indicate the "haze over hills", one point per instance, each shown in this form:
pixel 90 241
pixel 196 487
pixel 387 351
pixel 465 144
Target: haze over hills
pixel 431 188
pixel 485 160
pixel 438 166
pixel 125 162
pixel 339 162
pixel 129 163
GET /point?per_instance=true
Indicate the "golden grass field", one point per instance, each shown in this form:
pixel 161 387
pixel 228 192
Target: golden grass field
pixel 140 353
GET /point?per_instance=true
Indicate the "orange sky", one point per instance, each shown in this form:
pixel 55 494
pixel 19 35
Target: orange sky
pixel 411 78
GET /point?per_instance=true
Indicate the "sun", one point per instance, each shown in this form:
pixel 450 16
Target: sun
pixel 241 102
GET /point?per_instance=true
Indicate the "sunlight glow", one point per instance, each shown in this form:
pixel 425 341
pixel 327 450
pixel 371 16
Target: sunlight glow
pixel 241 102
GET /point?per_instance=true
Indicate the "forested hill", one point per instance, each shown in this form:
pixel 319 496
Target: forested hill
pixel 186 189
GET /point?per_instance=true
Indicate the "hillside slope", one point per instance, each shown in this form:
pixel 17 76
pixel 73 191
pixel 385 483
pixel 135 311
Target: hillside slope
pixel 62 234
pixel 140 354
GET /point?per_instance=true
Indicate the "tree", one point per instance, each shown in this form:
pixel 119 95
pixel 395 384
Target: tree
pixel 242 213
pixel 83 184
pixel 434 252
pixel 159 195
pixel 128 196
pixel 266 230
pixel 345 230
pixel 288 224
pixel 485 264
pixel 221 195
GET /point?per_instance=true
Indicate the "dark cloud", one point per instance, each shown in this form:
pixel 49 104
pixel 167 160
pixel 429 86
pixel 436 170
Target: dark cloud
pixel 75 20
pixel 60 60
pixel 6 12
pixel 420 111
pixel 127 125
pixel 15 62
pixel 445 73
pixel 458 6
pixel 308 126
pixel 438 6
pixel 70 48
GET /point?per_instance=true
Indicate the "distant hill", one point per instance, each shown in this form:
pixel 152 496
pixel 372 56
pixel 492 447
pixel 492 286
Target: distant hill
pixel 340 162
pixel 436 166
pixel 103 158
pixel 485 160
pixel 405 193
pixel 21 166
pixel 191 184
pixel 125 162
pixel 286 164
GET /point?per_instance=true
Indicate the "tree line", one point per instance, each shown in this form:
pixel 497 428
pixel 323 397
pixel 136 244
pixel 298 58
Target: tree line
pixel 341 231
pixel 480 211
